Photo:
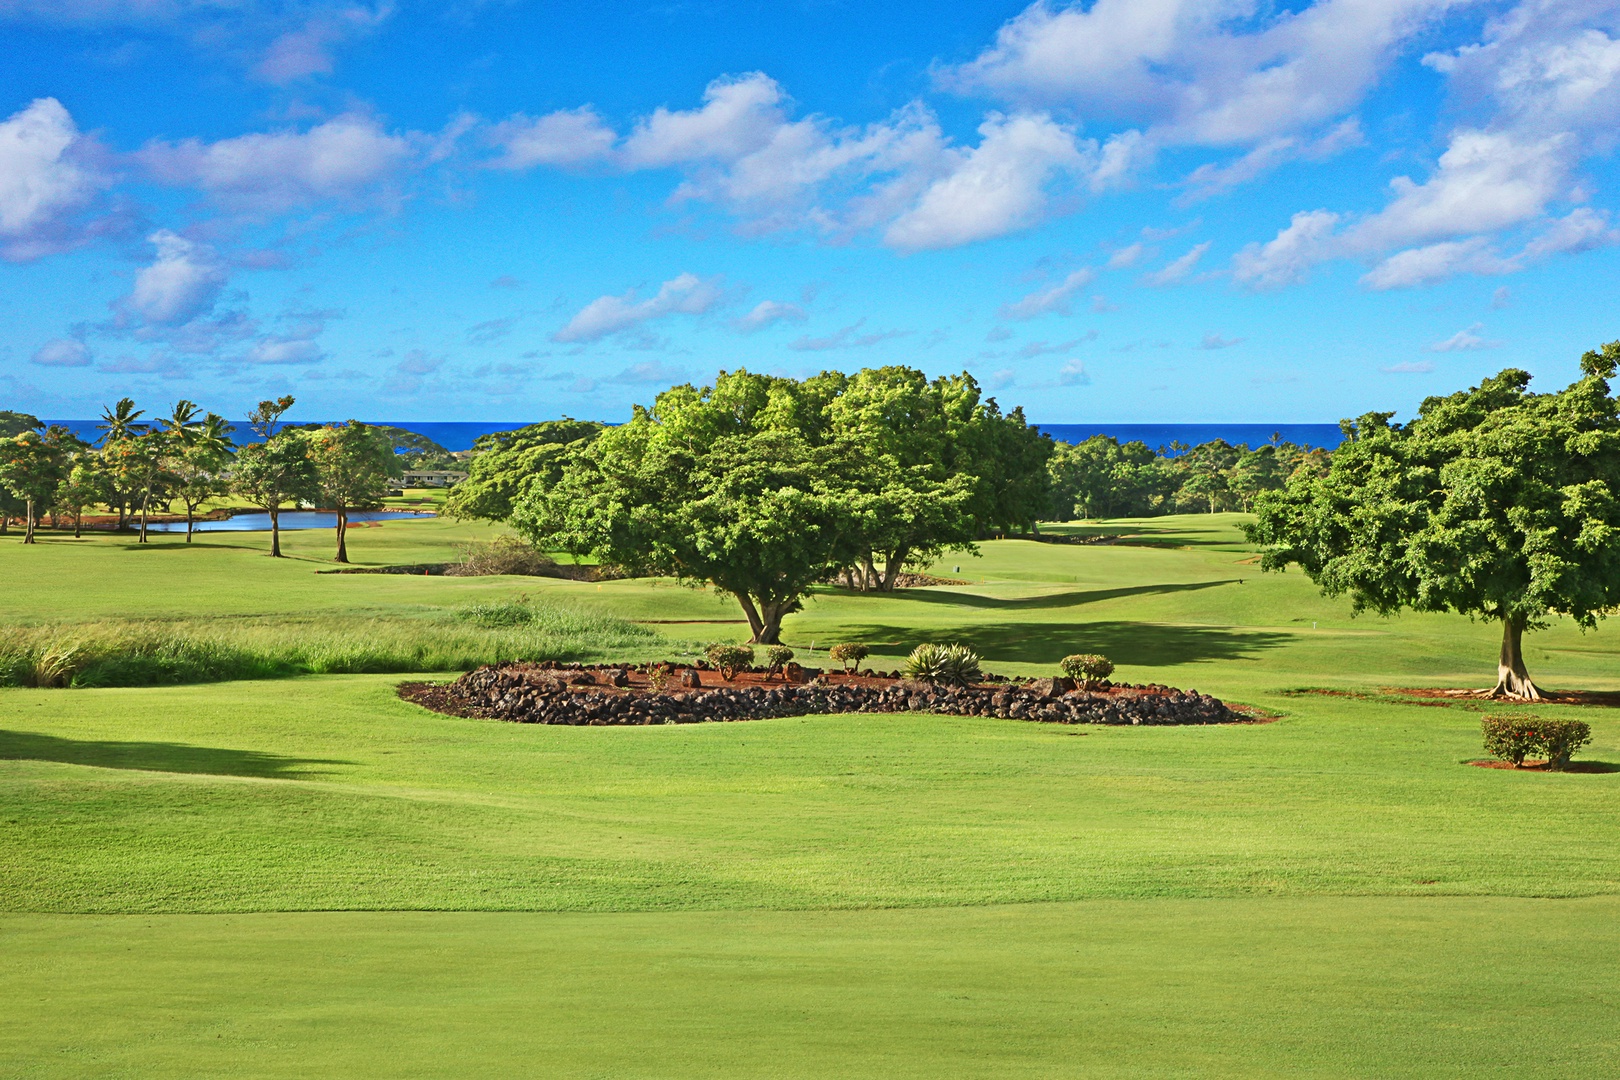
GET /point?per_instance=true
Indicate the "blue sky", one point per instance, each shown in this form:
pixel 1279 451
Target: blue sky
pixel 1120 210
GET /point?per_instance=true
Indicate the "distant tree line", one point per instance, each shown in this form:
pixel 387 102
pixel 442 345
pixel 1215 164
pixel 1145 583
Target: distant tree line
pixel 1103 478
pixel 137 467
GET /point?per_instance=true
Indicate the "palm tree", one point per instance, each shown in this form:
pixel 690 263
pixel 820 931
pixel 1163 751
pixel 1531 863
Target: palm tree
pixel 182 425
pixel 120 424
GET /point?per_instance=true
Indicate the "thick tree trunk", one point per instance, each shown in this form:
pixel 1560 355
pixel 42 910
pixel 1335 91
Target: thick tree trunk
pixel 869 574
pixel 78 523
pixel 770 631
pixel 28 526
pixel 342 534
pixel 892 565
pixel 1512 680
pixel 849 578
pixel 755 625
pixel 190 522
pixel 275 532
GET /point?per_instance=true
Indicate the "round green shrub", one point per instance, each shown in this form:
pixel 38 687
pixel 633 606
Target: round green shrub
pixel 1086 667
pixel 1512 737
pixel 729 658
pixel 850 653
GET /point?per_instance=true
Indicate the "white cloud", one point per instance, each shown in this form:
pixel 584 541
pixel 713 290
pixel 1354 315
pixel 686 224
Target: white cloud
pixel 738 116
pixel 1129 256
pixel 45 178
pixel 1211 179
pixel 1053 298
pixel 1073 373
pixel 844 338
pixel 997 187
pixel 568 137
pixel 1204 72
pixel 1464 341
pixel 1485 181
pixel 1436 262
pixel 1288 258
pixel 1215 341
pixel 1409 367
pixel 1583 229
pixel 340 159
pixel 180 285
pixel 307 50
pixel 686 294
pixel 278 350
pixel 1178 270
pixel 766 313
pixel 63 352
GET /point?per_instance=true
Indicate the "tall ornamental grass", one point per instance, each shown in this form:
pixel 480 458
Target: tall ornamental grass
pixel 132 653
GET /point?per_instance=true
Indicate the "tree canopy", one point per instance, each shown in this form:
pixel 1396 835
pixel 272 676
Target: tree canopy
pixel 508 464
pixel 354 467
pixel 763 486
pixel 1493 502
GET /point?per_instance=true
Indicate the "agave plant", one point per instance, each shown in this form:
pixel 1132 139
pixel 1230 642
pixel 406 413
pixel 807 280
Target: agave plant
pixel 953 665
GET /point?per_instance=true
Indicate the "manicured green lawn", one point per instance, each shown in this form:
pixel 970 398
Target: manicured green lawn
pixel 308 876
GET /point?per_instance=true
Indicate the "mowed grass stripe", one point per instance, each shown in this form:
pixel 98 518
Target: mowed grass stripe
pixel 1315 987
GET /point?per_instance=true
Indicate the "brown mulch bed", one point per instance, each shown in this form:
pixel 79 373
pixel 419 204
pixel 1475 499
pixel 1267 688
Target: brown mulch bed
pixel 1609 698
pixel 1541 766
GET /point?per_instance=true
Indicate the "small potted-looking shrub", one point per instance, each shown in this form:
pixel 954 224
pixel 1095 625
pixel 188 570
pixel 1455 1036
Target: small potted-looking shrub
pixel 776 658
pixel 1086 668
pixel 729 659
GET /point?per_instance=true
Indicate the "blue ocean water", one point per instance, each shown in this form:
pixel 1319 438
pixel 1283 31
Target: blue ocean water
pixel 458 435
pixel 1326 436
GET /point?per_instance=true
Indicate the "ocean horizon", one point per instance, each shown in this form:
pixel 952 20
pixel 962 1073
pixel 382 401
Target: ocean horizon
pixel 459 435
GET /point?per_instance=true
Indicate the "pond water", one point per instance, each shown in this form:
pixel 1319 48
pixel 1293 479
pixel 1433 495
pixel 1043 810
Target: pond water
pixel 290 520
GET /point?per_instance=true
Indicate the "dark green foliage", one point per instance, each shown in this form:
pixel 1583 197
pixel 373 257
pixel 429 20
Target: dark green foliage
pixel 1494 502
pixel 1086 667
pixel 510 464
pixel 1514 737
pixel 15 423
pixel 952 665
pixel 777 656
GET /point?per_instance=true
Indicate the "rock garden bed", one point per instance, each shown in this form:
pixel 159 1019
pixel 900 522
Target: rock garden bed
pixel 600 695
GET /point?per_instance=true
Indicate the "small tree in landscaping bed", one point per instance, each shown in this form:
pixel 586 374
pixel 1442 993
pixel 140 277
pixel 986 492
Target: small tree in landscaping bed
pixel 953 665
pixel 850 654
pixel 729 658
pixel 1086 668
pixel 776 658
pixel 1514 737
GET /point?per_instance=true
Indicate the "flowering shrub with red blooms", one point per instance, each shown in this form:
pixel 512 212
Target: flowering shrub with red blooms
pixel 1515 736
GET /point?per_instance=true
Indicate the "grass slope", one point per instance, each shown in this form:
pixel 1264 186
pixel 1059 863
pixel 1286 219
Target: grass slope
pixel 1333 894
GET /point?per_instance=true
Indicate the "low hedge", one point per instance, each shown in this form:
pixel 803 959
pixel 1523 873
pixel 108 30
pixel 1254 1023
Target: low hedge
pixel 1514 737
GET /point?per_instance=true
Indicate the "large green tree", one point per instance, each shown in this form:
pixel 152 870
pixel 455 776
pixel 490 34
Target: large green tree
pixel 355 465
pixel 32 467
pixel 1494 502
pixel 198 456
pixel 714 485
pixel 273 473
pixel 508 464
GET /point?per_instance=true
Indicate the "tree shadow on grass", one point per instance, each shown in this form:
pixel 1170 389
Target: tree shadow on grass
pixel 936 595
pixel 1150 536
pixel 1134 643
pixel 157 757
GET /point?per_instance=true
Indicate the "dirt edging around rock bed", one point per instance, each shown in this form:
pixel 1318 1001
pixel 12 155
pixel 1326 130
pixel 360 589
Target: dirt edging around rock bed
pixel 611 695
